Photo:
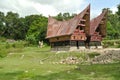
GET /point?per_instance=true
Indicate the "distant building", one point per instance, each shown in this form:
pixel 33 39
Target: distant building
pixel 76 33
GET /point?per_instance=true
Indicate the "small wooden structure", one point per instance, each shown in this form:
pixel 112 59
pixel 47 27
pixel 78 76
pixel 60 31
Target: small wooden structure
pixel 73 34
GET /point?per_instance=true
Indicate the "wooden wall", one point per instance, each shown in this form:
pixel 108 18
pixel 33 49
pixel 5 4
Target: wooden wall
pixel 61 38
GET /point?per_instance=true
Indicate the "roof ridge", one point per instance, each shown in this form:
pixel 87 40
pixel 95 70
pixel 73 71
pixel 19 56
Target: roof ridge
pixel 65 27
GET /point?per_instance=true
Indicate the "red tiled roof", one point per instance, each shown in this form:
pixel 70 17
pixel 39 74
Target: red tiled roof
pixel 61 28
pixel 94 23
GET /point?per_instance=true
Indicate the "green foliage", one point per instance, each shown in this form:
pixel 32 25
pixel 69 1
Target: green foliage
pixel 118 12
pixel 92 55
pixel 10 19
pixel 113 28
pixel 7 47
pixel 111 43
pixel 110 30
pixel 19 44
pixel 4 49
pixel 64 16
pixel 2 23
pixel 2 39
pixel 3 52
pixel 15 26
pixel 37 30
pixel 118 46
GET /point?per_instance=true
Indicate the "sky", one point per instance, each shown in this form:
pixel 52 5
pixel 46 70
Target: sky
pixel 53 7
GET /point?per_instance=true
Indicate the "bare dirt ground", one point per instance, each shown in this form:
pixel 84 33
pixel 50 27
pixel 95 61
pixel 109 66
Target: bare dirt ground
pixel 101 51
pixel 108 55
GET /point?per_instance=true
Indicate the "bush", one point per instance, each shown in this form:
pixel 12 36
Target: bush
pixel 16 46
pixel 4 49
pixel 7 45
pixel 111 43
pixel 31 39
pixel 2 39
pixel 3 52
pixel 118 46
pixel 92 55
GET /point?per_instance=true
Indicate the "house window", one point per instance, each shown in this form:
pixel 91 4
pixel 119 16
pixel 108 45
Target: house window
pixel 57 38
pixel 77 27
pixel 81 28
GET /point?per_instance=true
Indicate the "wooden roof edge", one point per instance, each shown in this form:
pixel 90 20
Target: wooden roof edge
pixel 57 36
pixel 100 15
pixel 98 19
pixel 88 7
pixel 78 17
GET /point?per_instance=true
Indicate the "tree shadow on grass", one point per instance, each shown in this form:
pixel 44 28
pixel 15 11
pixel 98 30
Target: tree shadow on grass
pixel 10 75
pixel 64 75
pixel 14 73
pixel 87 72
pixel 1 67
pixel 84 72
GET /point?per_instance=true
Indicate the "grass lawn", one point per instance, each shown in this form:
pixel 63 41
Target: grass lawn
pixel 33 63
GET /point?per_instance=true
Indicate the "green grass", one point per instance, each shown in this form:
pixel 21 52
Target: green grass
pixel 33 63
pixel 111 43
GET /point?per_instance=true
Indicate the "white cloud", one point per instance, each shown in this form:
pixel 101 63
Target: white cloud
pixel 23 7
pixel 94 13
pixel 114 9
pixel 45 7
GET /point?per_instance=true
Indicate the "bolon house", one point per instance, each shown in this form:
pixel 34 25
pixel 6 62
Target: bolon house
pixel 76 33
pixel 98 30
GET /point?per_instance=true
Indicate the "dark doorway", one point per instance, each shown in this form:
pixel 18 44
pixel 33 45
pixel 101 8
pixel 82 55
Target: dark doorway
pixel 77 44
pixel 87 42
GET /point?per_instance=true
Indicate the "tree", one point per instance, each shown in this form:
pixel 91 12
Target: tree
pixel 118 12
pixel 37 29
pixel 113 31
pixel 64 16
pixel 2 23
pixel 20 32
pixel 10 20
pixel 59 17
pixel 15 27
pixel 110 30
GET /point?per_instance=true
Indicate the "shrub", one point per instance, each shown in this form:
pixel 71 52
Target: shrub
pixel 2 39
pixel 3 53
pixel 92 55
pixel 7 45
pixel 118 46
pixel 20 44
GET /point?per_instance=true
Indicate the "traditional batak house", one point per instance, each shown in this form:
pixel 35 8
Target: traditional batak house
pixel 98 30
pixel 71 34
pixel 78 32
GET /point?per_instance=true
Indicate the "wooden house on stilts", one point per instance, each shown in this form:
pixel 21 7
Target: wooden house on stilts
pixel 71 34
pixel 76 33
pixel 98 30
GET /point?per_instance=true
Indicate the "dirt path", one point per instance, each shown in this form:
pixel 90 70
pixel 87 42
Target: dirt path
pixel 108 55
pixel 101 51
